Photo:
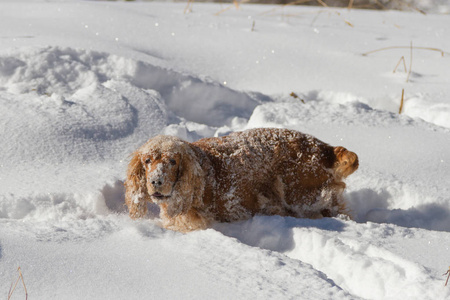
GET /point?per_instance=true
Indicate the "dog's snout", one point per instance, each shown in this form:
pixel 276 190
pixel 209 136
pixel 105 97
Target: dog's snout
pixel 156 183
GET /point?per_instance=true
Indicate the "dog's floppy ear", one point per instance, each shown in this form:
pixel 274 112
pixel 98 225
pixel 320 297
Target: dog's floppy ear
pixel 136 195
pixel 190 185
pixel 346 162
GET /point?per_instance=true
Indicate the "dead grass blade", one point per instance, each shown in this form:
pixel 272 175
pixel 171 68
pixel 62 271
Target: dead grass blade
pixel 402 59
pixel 297 2
pixel 350 4
pixel 410 6
pixel 401 102
pixel 410 63
pixel 334 12
pixel 295 96
pixel 235 4
pixel 271 12
pixel 448 276
pixel 322 3
pixel 189 6
pixel 443 53
pixel 13 286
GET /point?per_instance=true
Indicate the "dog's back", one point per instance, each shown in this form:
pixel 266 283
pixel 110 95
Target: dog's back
pixel 275 171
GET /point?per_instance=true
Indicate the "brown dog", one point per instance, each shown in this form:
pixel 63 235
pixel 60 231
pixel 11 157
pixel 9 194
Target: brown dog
pixel 258 171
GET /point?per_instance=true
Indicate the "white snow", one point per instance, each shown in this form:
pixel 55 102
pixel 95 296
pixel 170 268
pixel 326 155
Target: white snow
pixel 84 83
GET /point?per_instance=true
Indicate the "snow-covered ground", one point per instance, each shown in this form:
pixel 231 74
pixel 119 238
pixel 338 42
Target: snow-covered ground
pixel 84 83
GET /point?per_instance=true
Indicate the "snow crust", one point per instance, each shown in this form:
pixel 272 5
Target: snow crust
pixel 84 83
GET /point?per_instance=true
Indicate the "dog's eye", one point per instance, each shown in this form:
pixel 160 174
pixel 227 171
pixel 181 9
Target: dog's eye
pixel 147 161
pixel 173 162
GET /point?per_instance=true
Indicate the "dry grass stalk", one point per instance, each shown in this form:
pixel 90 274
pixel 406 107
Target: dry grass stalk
pixel 336 13
pixel 377 5
pixel 223 10
pixel 350 4
pixel 284 5
pixel 381 5
pixel 316 17
pixel 407 47
pixel 189 6
pixel 235 4
pixel 322 3
pixel 410 63
pixel 411 48
pixel 13 286
pixel 409 5
pixel 401 102
pixel 348 23
pixel 402 59
pixel 272 12
pixel 448 275
pixel 296 2
pixel 295 96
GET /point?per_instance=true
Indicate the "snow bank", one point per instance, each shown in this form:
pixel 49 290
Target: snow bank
pixel 360 265
pixel 70 99
pixel 68 75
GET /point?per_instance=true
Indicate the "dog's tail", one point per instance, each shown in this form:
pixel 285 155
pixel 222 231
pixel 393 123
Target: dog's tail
pixel 346 162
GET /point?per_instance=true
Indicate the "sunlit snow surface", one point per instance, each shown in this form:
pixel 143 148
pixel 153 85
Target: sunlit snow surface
pixel 84 83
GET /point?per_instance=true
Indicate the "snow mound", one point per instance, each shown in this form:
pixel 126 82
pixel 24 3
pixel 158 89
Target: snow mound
pixel 79 77
pixel 348 109
pixel 418 105
pixel 345 252
pixel 82 110
pixel 64 206
pixel 422 106
pixel 69 100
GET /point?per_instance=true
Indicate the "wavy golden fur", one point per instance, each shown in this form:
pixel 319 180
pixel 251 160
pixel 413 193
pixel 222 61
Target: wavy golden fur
pixel 259 171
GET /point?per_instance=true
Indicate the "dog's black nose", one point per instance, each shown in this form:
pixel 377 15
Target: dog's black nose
pixel 156 183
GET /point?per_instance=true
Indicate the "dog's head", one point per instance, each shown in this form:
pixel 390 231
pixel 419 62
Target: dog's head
pixel 166 171
pixel 162 171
